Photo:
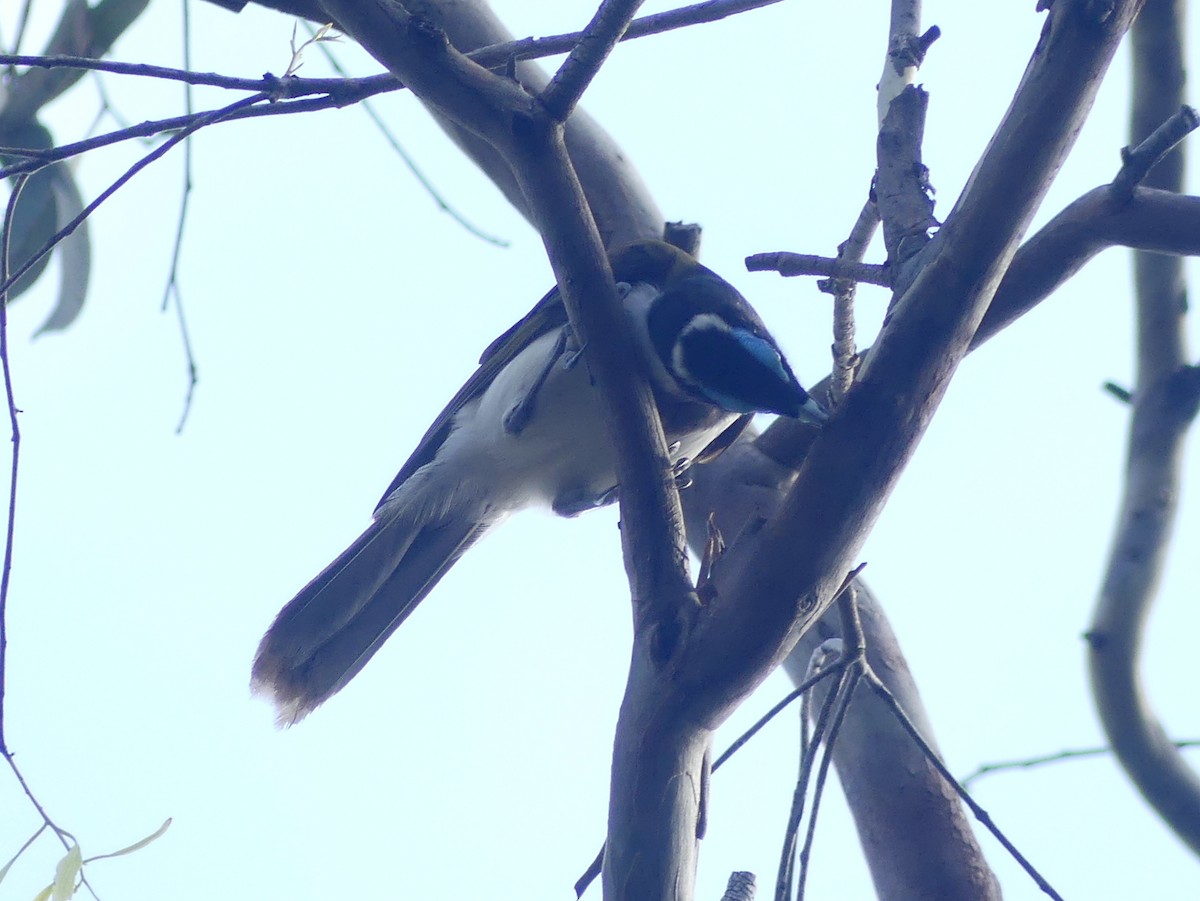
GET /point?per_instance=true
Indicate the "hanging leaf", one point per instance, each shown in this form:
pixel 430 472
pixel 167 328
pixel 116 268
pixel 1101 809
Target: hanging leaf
pixel 49 200
pixel 66 875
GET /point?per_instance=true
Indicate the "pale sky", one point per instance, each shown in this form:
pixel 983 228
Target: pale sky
pixel 333 310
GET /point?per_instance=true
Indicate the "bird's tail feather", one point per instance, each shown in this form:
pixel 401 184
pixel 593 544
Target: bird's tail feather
pixel 329 631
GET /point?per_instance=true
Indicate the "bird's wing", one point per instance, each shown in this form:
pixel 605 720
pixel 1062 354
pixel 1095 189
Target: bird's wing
pixel 643 261
pixel 725 440
pixel 549 314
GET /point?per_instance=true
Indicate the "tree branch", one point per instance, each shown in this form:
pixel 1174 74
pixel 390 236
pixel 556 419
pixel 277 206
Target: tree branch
pixel 790 265
pixel 529 141
pixel 1164 403
pixel 775 593
pixel 608 25
pixel 83 31
pixel 769 590
pixel 1152 220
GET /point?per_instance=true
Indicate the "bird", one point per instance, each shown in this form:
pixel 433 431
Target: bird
pixel 527 430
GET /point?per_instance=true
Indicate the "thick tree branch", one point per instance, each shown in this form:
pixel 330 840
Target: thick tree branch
pixel 852 467
pixel 681 741
pixel 1165 401
pixel 529 139
pixel 1151 220
pixel 914 833
pixel 768 595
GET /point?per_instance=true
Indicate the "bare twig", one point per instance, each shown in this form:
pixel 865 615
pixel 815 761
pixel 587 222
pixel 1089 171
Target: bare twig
pixel 822 728
pixel 10 525
pixel 980 814
pixel 406 158
pixel 298 95
pixel 610 22
pixel 197 123
pixel 793 264
pixel 844 349
pixel 493 55
pixel 65 838
pixel 172 289
pixel 278 86
pixel 845 695
pixel 799 691
pixel 1028 763
pixel 15 437
pixel 1160 221
pixel 1137 162
pixel 22 24
pixel 83 30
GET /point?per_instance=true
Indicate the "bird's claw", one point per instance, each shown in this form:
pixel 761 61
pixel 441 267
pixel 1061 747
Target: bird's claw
pixel 573 504
pixel 680 472
pixel 572 353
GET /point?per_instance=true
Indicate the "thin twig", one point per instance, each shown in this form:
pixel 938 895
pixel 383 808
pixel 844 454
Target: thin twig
pixel 490 56
pixel 189 358
pixel 25 847
pixel 845 695
pixel 66 838
pixel 282 87
pixel 197 123
pixel 787 857
pixel 583 63
pixel 107 107
pixel 172 287
pixel 22 23
pixel 779 707
pixel 407 159
pixel 982 815
pixel 296 95
pixel 844 349
pixel 10 526
pixel 33 160
pixel 1137 162
pixel 792 264
pixel 988 769
pixel 15 433
pixel 853 652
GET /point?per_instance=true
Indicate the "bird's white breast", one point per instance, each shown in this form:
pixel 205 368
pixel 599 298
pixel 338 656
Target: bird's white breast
pixel 563 450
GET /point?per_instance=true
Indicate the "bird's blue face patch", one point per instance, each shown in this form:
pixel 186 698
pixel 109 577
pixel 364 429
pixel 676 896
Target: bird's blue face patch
pixel 735 368
pixel 761 350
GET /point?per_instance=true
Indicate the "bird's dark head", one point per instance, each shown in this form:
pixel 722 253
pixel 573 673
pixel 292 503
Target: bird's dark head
pixel 713 344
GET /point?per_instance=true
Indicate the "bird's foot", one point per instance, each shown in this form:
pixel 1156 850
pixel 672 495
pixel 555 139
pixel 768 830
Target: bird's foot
pixel 574 503
pixel 680 471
